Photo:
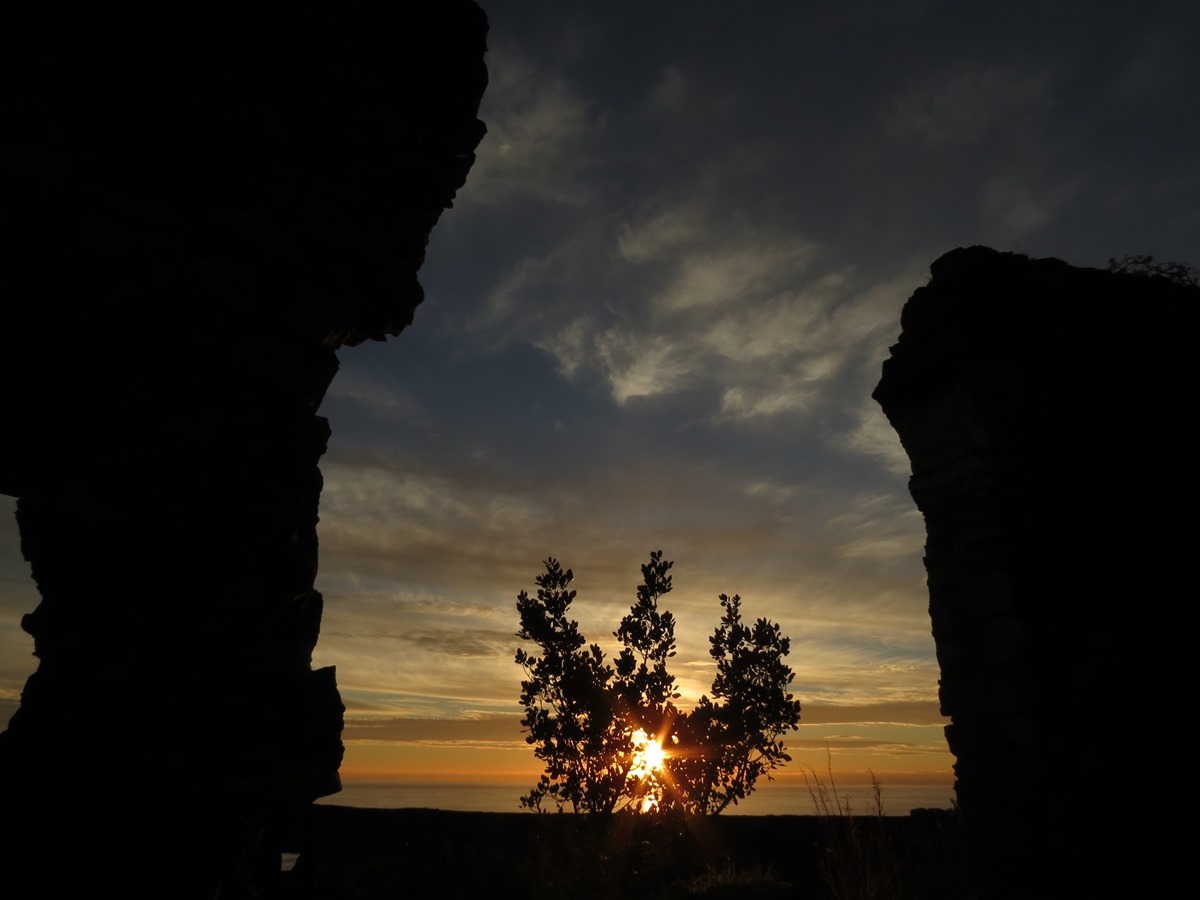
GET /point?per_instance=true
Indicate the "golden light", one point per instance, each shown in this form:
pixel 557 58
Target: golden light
pixel 647 754
pixel 648 758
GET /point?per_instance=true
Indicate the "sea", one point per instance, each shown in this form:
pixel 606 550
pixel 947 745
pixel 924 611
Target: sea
pixel 773 799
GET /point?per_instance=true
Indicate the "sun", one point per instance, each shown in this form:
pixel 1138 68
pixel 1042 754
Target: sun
pixel 648 756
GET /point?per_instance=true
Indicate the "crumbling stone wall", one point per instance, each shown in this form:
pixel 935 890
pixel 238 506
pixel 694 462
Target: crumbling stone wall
pixel 209 200
pixel 1047 411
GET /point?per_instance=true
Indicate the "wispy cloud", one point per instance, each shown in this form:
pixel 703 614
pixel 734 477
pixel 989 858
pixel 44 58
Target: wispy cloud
pixel 373 397
pixel 540 134
pixel 760 322
pixel 900 713
pixel 872 436
pixel 878 526
pixel 669 94
pixel 969 103
pixel 479 731
pixel 1014 206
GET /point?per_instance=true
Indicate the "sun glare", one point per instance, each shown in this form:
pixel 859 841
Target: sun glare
pixel 647 754
pixel 647 762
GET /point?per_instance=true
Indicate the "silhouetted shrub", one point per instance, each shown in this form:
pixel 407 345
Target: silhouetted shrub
pixel 1179 273
pixel 612 737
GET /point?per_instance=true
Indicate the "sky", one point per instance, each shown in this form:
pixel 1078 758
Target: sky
pixel 654 319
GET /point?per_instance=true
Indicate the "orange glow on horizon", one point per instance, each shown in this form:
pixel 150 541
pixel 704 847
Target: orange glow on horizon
pixel 483 759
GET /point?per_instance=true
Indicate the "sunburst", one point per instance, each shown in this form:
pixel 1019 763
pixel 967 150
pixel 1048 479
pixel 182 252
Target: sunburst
pixel 647 765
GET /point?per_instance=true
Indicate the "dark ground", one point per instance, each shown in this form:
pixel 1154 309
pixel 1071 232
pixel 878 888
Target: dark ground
pixel 413 853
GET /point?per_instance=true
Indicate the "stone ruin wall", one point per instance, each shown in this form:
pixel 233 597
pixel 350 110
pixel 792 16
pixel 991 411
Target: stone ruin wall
pixel 209 201
pixel 1046 411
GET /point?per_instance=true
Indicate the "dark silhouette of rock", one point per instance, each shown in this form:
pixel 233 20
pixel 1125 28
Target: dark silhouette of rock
pixel 208 200
pixel 1047 411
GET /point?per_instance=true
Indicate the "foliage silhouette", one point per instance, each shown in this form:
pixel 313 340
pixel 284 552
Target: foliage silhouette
pixel 590 722
pixel 569 710
pixel 744 724
pixel 1179 273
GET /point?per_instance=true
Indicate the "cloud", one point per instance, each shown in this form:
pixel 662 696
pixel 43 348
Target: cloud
pixel 899 713
pixel 441 641
pixel 553 298
pixel 759 321
pixel 873 436
pixel 669 96
pixel 487 731
pixel 391 509
pixel 374 398
pixel 636 364
pixel 1016 205
pixel 878 526
pixel 968 104
pixel 422 560
pixel 540 135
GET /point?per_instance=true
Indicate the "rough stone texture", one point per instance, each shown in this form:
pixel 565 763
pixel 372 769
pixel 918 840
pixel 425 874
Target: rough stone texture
pixel 209 200
pixel 1047 411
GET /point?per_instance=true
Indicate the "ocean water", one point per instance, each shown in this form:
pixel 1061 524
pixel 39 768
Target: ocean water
pixel 773 799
